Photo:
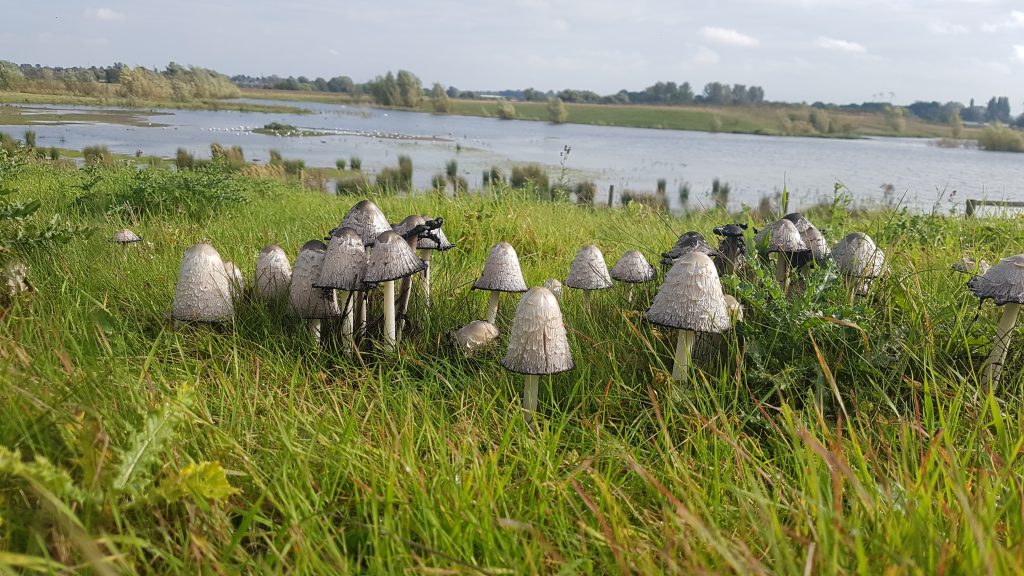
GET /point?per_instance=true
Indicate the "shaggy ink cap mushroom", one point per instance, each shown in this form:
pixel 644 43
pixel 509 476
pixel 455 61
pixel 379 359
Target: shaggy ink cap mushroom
pixel 691 297
pixel 783 236
pixel 126 236
pixel 427 243
pixel 474 336
pixel 857 256
pixel 969 265
pixel 537 343
pixel 555 286
pixel 344 263
pixel 501 271
pixel 367 220
pixel 391 259
pixel 633 268
pixel 798 220
pixel 816 243
pixel 305 300
pixel 588 270
pixel 405 227
pixel 731 230
pixel 1003 283
pixel 686 243
pixel 273 273
pixel 203 291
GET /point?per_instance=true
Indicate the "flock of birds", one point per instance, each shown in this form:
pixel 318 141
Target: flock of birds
pixel 333 280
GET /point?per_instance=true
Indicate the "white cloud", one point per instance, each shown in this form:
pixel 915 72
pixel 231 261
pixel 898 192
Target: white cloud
pixel 1018 52
pixel 841 45
pixel 1014 21
pixel 705 56
pixel 107 15
pixel 333 52
pixel 947 29
pixel 728 36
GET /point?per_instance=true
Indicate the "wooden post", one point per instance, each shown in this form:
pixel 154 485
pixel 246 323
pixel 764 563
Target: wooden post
pixel 611 194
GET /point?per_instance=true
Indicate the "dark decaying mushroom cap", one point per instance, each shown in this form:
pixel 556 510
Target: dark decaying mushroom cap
pixel 633 268
pixel 688 242
pixel 304 300
pixel 344 263
pixel 367 220
pixel 1003 283
pixel 731 230
pixel 427 243
pixel 126 236
pixel 537 343
pixel 404 227
pixel 691 297
pixel 588 270
pixel 857 256
pixel 501 271
pixel 391 259
pixel 273 272
pixel 203 291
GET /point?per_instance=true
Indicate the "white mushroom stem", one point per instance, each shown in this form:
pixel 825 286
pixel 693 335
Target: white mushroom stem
pixel 347 321
pixel 314 328
pixel 586 300
pixel 629 293
pixel 684 345
pixel 782 272
pixel 389 313
pixel 492 306
pixel 425 255
pixel 994 363
pixel 530 396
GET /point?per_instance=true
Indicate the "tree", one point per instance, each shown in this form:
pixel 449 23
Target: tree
pixel 439 99
pixel 11 76
pixel 557 112
pixel 410 89
pixel 342 84
pixel 956 124
pixel 506 111
pixel 998 110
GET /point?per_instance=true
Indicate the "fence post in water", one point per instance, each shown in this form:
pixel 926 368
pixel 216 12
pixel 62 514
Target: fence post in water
pixel 611 194
pixel 970 208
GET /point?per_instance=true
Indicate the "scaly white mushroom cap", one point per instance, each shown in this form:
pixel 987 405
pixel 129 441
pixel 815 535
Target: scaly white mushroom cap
pixel 798 220
pixel 501 271
pixel 203 292
pixel 633 268
pixel 782 236
pixel 304 300
pixel 735 309
pixel 691 297
pixel 686 243
pixel 367 220
pixel 588 270
pixel 126 236
pixel 538 343
pixel 857 256
pixel 345 262
pixel 429 244
pixel 555 286
pixel 816 242
pixel 474 336
pixel 391 259
pixel 273 273
pixel 235 279
pixel 1003 283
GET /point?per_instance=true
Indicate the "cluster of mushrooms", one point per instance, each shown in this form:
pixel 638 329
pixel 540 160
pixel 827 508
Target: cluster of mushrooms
pixel 332 281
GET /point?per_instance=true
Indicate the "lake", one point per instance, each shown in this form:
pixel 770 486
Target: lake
pixel 912 172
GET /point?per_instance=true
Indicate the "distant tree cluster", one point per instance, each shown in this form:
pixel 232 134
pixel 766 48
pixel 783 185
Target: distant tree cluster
pixel 175 82
pixel 997 110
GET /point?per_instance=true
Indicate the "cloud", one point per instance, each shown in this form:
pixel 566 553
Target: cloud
pixel 947 29
pixel 333 52
pixel 1018 52
pixel 728 36
pixel 705 56
pixel 1014 21
pixel 107 15
pixel 841 45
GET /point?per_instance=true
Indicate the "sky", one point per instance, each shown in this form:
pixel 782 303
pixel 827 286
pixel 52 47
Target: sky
pixel 797 50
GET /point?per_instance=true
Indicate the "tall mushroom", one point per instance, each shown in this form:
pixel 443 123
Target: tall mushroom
pixel 426 247
pixel 369 222
pixel 1004 284
pixel 203 291
pixel 537 343
pixel 783 238
pixel 859 260
pixel 731 249
pixel 690 301
pixel 501 274
pixel 273 273
pixel 632 269
pixel 343 269
pixel 389 260
pixel 588 272
pixel 304 300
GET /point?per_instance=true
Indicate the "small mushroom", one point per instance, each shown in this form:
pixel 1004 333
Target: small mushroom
pixel 783 238
pixel 203 291
pixel 588 272
pixel 474 337
pixel 426 247
pixel 304 300
pixel 1004 284
pixel 859 260
pixel 555 286
pixel 632 268
pixel 389 260
pixel 125 237
pixel 343 269
pixel 687 242
pixel 968 265
pixel 501 274
pixel 273 273
pixel 236 280
pixel 731 249
pixel 690 301
pixel 14 281
pixel 537 343
pixel 367 220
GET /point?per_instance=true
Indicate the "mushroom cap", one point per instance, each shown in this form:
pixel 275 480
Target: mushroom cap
pixel 781 236
pixel 588 270
pixel 1003 283
pixel 731 230
pixel 474 336
pixel 126 236
pixel 857 256
pixel 367 220
pixel 235 278
pixel 203 292
pixel 633 268
pixel 391 259
pixel 798 220
pixel 688 242
pixel 735 309
pixel 815 241
pixel 501 271
pixel 537 343
pixel 406 225
pixel 969 265
pixel 555 286
pixel 304 300
pixel 429 244
pixel 273 273
pixel 344 263
pixel 691 297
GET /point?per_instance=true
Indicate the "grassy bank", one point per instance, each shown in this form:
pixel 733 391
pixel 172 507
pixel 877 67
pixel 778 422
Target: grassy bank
pixel 847 437
pixel 205 104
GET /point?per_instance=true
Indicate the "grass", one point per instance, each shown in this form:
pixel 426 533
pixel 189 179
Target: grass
pixel 853 438
pixel 7 97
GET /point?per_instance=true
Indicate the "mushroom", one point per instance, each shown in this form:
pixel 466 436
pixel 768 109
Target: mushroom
pixel 588 272
pixel 426 247
pixel 236 280
pixel 367 220
pixel 125 237
pixel 712 348
pixel 203 292
pixel 306 301
pixel 687 242
pixel 632 268
pixel 474 337
pixel 731 249
pixel 14 281
pixel 555 286
pixel 343 269
pixel 1004 284
pixel 501 274
pixel 859 260
pixel 690 300
pixel 969 265
pixel 273 273
pixel 537 343
pixel 389 260
pixel 782 237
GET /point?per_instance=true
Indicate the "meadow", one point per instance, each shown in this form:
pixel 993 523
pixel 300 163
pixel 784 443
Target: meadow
pixel 835 436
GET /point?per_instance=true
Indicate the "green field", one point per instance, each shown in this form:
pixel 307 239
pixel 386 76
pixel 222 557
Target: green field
pixel 833 437
pixel 7 97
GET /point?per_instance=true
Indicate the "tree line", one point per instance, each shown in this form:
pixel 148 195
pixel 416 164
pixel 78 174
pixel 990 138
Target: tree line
pixel 174 82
